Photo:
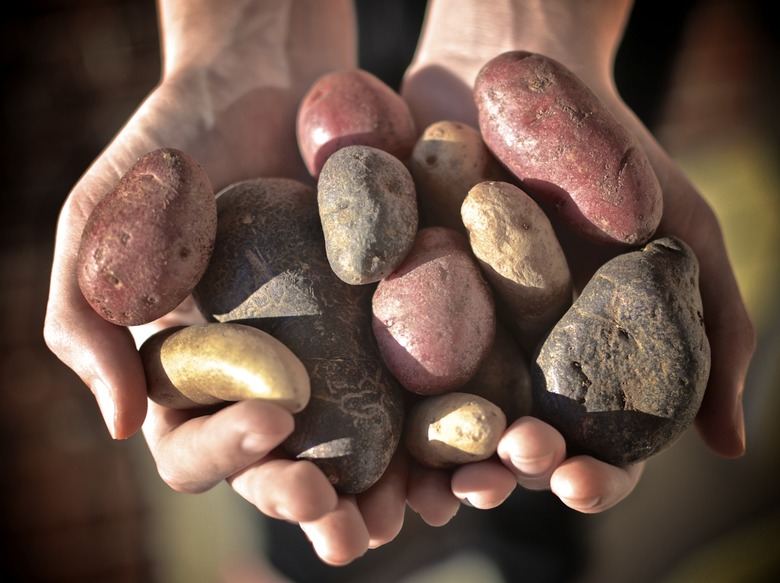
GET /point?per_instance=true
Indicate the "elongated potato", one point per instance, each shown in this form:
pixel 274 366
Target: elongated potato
pixel 270 270
pixel 456 428
pixel 148 241
pixel 567 148
pixel 517 248
pixel 205 364
pixel 352 107
pixel 434 316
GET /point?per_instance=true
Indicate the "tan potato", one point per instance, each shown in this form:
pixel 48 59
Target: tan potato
pixel 456 428
pixel 567 149
pixel 515 243
pixel 148 241
pixel 206 364
pixel 448 159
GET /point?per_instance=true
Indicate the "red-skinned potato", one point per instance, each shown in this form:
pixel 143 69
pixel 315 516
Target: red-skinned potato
pixel 147 242
pixel 352 107
pixel 434 316
pixel 567 149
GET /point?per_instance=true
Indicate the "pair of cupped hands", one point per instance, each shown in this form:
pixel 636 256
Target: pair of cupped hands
pixel 244 127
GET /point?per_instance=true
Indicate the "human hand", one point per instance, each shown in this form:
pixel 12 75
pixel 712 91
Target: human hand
pixel 438 85
pixel 232 79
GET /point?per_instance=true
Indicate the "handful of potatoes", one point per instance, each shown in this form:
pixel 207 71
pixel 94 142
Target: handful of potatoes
pixel 418 296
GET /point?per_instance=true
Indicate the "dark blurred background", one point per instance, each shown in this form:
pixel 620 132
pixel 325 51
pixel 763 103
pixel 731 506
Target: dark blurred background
pixel 76 506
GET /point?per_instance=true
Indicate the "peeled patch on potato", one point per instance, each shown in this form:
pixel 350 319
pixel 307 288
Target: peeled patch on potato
pixel 147 242
pixel 352 107
pixel 368 207
pixel 434 316
pixel 519 252
pixel 568 150
pixel 448 159
pixel 456 428
pixel 206 364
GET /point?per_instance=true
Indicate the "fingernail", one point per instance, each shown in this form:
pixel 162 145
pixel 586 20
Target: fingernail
pixel 532 467
pixel 739 424
pixel 106 405
pixel 581 504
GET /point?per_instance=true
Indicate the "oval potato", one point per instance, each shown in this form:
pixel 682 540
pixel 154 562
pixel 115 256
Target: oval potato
pixel 567 149
pixel 205 364
pixel 147 242
pixel 456 428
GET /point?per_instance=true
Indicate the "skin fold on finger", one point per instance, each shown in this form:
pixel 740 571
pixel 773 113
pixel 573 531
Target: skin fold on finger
pixel 532 450
pixel 340 536
pixel 591 486
pixel 285 489
pixel 194 453
pixel 484 484
pixel 430 495
pixel 383 505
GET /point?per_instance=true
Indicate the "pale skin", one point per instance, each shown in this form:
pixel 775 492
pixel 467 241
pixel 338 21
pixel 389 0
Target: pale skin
pixel 233 75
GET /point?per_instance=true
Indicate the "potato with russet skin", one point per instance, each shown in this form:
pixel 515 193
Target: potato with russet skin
pixel 434 316
pixel 368 209
pixel 270 270
pixel 567 149
pixel 447 160
pixel 352 107
pixel 443 431
pixel 206 364
pixel 519 252
pixel 147 242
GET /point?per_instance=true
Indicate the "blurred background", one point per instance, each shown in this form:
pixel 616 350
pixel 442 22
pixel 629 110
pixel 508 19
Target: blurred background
pixel 77 506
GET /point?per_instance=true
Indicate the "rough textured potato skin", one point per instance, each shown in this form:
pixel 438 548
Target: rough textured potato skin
pixel 444 431
pixel 270 270
pixel 148 241
pixel 519 252
pixel 447 160
pixel 434 316
pixel 567 149
pixel 623 373
pixel 352 107
pixel 205 364
pixel 368 209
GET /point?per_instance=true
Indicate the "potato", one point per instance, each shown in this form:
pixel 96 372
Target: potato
pixel 567 149
pixel 434 317
pixel 456 428
pixel 352 107
pixel 447 160
pixel 517 248
pixel 269 269
pixel 504 377
pixel 623 373
pixel 368 209
pixel 205 364
pixel 148 241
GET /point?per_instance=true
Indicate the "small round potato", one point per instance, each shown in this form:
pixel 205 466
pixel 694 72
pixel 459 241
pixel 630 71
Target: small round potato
pixel 456 428
pixel 206 364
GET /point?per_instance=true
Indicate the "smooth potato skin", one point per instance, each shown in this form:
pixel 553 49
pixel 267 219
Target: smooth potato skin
pixel 148 241
pixel 352 107
pixel 434 316
pixel 270 270
pixel 567 149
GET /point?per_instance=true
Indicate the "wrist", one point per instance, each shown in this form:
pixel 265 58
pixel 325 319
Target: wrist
pixel 462 35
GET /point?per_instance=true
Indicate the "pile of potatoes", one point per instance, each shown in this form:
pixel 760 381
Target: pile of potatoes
pixel 419 295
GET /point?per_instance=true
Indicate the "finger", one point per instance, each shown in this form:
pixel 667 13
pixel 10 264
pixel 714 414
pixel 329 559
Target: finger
pixel 430 495
pixel 291 490
pixel 194 454
pixel 532 449
pixel 340 536
pixel 383 505
pixel 590 486
pixel 483 484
